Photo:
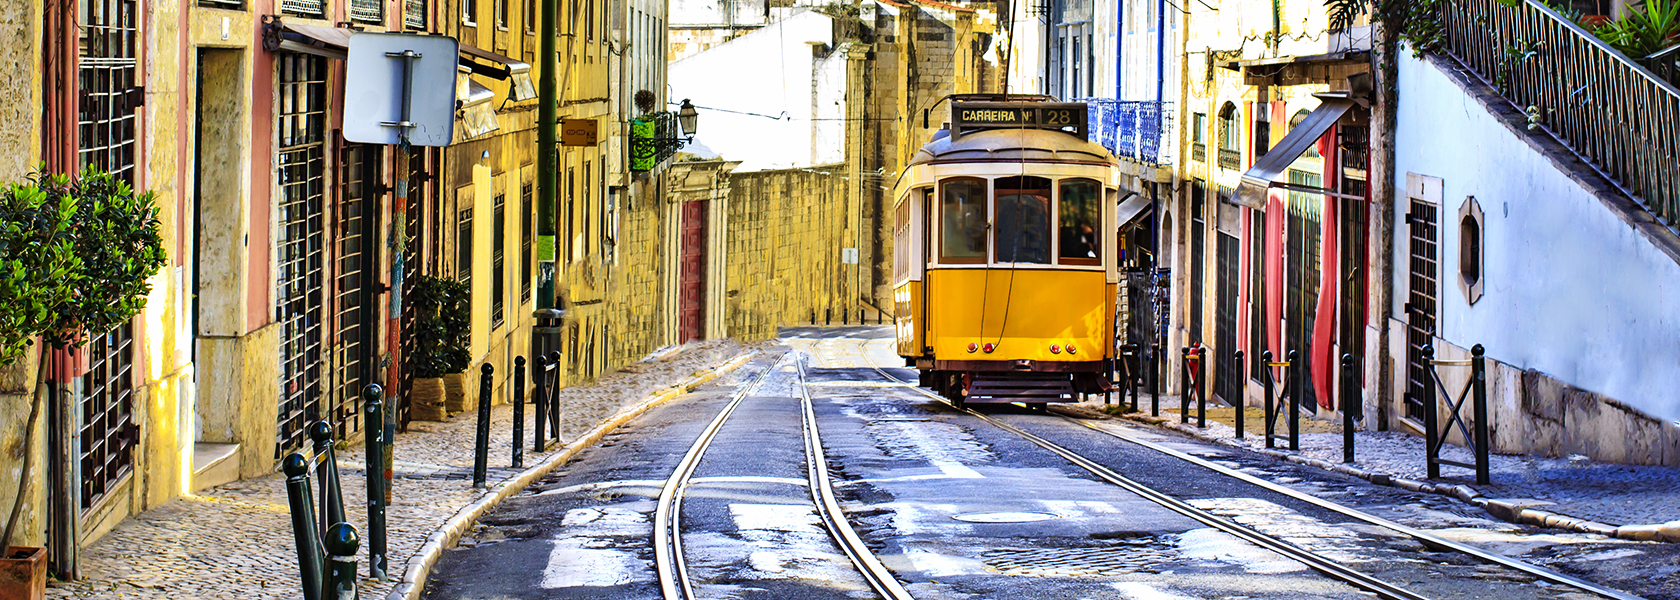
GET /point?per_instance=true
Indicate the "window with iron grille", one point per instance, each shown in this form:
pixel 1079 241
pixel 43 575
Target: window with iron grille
pixel 108 433
pixel 359 175
pixel 1305 225
pixel 304 8
pixel 421 207
pixel 107 75
pixel 414 13
pixel 1197 274
pixel 232 4
pixel 464 247
pixel 498 270
pixel 109 86
pixel 299 249
pixel 367 11
pixel 525 244
pixel 1259 332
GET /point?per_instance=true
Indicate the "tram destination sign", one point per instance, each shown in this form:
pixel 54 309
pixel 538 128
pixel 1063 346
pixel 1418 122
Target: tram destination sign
pixel 971 117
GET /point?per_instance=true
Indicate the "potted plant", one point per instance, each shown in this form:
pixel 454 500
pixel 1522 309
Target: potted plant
pixel 442 329
pixel 75 256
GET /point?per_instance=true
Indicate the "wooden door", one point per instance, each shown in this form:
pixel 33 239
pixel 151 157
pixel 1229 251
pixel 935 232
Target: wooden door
pixel 691 300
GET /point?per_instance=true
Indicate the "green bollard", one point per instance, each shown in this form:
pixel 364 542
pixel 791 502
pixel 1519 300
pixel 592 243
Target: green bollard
pixel 296 468
pixel 374 423
pixel 341 543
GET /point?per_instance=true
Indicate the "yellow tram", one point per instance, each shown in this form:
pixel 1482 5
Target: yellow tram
pixel 1005 271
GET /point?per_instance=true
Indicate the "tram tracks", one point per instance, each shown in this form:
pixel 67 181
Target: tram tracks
pixel 1323 564
pixel 670 562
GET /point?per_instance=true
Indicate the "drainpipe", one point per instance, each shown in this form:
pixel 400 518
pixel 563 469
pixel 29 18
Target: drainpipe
pixel 1119 48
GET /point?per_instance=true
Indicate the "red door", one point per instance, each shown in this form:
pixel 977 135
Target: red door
pixel 691 299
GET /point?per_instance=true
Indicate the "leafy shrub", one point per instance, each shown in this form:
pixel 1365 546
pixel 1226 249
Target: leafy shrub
pixel 75 257
pixel 442 326
pixel 1645 30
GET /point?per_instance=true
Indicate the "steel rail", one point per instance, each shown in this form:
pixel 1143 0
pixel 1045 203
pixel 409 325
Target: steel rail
pixel 822 493
pixel 668 558
pixel 1417 534
pixel 1324 565
pixel 1413 533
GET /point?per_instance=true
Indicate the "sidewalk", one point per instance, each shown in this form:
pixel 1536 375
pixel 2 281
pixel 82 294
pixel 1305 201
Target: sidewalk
pixel 235 541
pixel 1624 501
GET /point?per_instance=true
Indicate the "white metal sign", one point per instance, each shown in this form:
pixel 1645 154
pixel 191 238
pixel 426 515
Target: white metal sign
pixel 848 256
pixel 400 85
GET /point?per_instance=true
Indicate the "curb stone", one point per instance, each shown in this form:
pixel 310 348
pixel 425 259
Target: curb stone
pixel 420 564
pixel 1506 510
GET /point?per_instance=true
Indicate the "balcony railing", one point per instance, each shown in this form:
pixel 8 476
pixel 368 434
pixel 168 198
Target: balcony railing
pixel 1613 112
pixel 414 14
pixel 367 11
pixel 1198 152
pixel 1137 130
pixel 1230 159
pixel 306 8
pixel 653 140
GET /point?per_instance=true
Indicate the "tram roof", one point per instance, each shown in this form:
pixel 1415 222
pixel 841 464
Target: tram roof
pixel 1013 145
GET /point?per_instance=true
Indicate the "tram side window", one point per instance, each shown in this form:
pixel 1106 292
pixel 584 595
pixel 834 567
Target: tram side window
pixel 1023 220
pixel 962 231
pixel 1077 223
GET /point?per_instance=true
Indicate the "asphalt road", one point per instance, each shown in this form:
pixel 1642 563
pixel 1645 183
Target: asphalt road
pixel 958 508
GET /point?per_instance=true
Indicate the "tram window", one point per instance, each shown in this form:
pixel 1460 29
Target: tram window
pixel 1077 223
pixel 1023 220
pixel 963 221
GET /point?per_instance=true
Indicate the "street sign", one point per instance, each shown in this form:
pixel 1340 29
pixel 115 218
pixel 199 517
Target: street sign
pixel 848 256
pixel 400 87
pixel 1067 117
pixel 578 132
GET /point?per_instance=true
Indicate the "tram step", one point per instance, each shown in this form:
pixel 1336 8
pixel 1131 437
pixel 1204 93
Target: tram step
pixel 1021 388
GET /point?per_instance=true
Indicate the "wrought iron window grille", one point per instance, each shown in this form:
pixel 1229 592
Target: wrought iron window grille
pixel 367 11
pixel 304 8
pixel 414 13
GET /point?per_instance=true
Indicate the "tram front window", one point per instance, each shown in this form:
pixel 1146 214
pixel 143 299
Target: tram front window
pixel 1077 223
pixel 962 236
pixel 1023 220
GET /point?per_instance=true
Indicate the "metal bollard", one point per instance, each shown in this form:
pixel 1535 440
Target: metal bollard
pixel 1347 413
pixel 296 468
pixel 332 496
pixel 1295 386
pixel 1241 403
pixel 828 316
pixel 541 394
pixel 1270 408
pixel 481 448
pixel 1478 393
pixel 518 412
pixel 374 423
pixel 860 317
pixel 1201 387
pixel 341 543
pixel 554 398
pixel 1157 364
pixel 1184 394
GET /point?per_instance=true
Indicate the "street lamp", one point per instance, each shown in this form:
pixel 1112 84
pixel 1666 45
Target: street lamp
pixel 687 117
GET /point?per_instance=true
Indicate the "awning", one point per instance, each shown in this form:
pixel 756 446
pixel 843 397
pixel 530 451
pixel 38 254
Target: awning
pixel 517 73
pixel 477 115
pixel 1129 209
pixel 330 42
pixel 1252 191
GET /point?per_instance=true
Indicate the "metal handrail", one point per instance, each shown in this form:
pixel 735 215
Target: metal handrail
pixel 1613 112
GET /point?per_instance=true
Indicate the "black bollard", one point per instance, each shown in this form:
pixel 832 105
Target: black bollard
pixel 813 316
pixel 373 409
pixel 518 412
pixel 1158 366
pixel 296 468
pixel 1201 387
pixel 1184 394
pixel 1348 396
pixel 1295 387
pixel 481 448
pixel 541 394
pixel 554 398
pixel 1270 407
pixel 332 496
pixel 341 544
pixel 1478 393
pixel 1241 402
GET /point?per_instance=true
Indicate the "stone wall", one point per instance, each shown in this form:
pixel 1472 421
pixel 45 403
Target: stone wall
pixel 786 230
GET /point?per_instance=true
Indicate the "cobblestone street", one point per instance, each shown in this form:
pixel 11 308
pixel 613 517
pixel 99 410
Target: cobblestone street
pixel 235 541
